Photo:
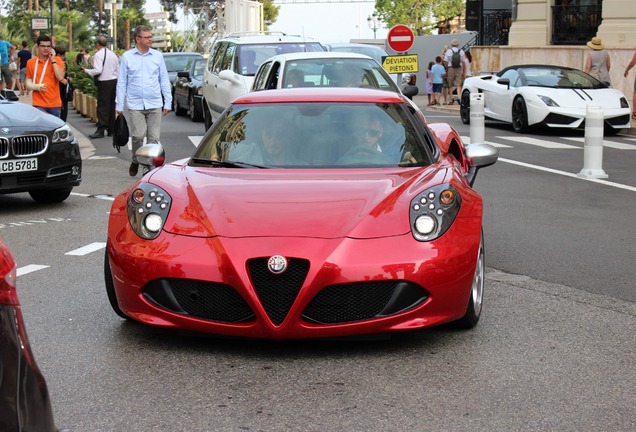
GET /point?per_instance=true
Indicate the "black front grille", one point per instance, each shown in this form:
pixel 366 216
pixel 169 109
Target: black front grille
pixel 559 119
pixel 337 304
pixel 29 145
pixel 618 121
pixel 31 178
pixel 200 299
pixel 277 292
pixel 4 147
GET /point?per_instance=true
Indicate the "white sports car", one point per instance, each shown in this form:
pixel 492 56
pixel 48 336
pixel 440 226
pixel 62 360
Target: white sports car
pixel 544 95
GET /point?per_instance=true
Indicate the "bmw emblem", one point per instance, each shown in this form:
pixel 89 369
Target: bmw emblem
pixel 5 130
pixel 277 264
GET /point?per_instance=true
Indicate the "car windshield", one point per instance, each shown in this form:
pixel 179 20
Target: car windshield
pixel 337 73
pixel 315 135
pixel 251 56
pixel 558 78
pixel 176 63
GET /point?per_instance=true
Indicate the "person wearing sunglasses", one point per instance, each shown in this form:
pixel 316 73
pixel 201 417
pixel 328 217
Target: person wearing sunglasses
pixel 43 75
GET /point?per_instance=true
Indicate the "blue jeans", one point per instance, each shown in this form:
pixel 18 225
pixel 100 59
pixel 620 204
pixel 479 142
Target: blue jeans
pixel 57 112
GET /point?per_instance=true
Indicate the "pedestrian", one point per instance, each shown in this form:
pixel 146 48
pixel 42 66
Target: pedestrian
pixel 13 66
pixel 86 59
pixel 79 58
pixel 61 52
pixel 629 66
pixel 105 69
pixel 145 85
pixel 597 61
pixel 6 77
pixel 429 83
pixel 44 72
pixel 24 55
pixel 438 79
pixel 454 62
pixel 468 63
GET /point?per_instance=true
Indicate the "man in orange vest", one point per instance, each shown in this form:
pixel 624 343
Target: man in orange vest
pixel 43 75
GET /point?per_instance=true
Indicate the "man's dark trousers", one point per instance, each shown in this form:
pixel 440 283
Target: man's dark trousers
pixel 106 91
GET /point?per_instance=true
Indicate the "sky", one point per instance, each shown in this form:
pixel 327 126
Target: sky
pixel 325 22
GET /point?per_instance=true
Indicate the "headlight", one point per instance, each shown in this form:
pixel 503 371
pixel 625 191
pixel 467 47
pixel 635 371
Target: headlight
pixel 148 208
pixel 624 103
pixel 433 211
pixel 548 101
pixel 63 134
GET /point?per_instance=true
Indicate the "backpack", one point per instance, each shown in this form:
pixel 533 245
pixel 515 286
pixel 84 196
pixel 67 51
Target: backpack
pixel 456 59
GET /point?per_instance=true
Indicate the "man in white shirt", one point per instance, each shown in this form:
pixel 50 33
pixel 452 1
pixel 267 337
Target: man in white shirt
pixel 105 70
pixel 145 86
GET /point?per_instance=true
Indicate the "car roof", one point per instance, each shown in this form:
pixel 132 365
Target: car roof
pixel 265 37
pixel 319 55
pixel 322 94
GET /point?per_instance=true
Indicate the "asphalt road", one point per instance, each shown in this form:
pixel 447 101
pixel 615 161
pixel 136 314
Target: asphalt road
pixel 554 350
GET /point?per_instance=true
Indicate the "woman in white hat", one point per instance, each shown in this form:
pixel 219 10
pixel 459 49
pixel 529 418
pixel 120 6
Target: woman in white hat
pixel 597 61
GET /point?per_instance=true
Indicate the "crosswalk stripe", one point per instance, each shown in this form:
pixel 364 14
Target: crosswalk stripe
pixel 30 269
pixel 606 143
pixel 466 139
pixel 85 250
pixel 539 142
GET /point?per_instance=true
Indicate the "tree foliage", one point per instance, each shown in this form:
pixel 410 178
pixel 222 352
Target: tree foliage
pixel 422 16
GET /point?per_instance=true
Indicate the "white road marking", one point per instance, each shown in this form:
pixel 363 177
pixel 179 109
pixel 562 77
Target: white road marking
pixel 538 142
pixel 196 139
pixel 101 157
pixel 606 143
pixel 567 174
pixel 466 139
pixel 85 250
pixel 30 269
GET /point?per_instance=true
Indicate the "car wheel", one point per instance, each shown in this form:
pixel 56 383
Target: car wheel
pixel 175 107
pixel 519 115
pixel 110 287
pixel 611 131
pixel 207 117
pixel 50 195
pixel 464 107
pixel 195 115
pixel 473 311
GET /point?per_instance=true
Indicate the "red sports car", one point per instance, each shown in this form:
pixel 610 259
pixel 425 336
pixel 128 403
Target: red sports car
pixel 315 212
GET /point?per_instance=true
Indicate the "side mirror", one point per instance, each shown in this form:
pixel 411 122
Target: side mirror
pixel 504 81
pixel 228 75
pixel 151 155
pixel 479 156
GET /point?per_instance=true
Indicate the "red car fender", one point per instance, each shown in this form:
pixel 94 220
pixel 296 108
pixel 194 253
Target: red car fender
pixel 450 143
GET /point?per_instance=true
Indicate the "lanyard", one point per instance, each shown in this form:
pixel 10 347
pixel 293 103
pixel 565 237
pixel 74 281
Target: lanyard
pixel 35 71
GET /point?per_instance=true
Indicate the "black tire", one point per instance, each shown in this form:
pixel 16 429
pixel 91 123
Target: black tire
pixel 464 107
pixel 195 115
pixel 175 107
pixel 110 288
pixel 207 117
pixel 49 196
pixel 519 115
pixel 611 131
pixel 473 311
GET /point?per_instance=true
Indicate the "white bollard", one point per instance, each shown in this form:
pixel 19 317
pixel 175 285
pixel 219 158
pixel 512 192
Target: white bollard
pixel 593 149
pixel 477 120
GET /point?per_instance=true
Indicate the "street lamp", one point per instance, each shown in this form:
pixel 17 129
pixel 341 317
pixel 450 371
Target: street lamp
pixel 113 5
pixel 374 23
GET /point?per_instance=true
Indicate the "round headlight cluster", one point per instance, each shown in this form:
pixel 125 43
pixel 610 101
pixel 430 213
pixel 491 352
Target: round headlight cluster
pixel 433 211
pixel 148 208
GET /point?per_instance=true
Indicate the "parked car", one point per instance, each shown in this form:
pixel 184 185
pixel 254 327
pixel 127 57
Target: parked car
pixel 38 154
pixel 543 95
pixel 24 398
pixel 233 62
pixel 322 69
pixel 178 61
pixel 187 91
pixel 309 212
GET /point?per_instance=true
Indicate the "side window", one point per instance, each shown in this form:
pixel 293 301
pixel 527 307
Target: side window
pixel 272 81
pixel 215 62
pixel 261 76
pixel 228 58
pixel 513 76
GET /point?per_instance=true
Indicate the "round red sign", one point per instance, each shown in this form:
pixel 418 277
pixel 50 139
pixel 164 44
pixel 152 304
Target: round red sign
pixel 400 38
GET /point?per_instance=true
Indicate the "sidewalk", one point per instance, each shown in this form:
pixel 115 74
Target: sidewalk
pixel 86 147
pixel 422 100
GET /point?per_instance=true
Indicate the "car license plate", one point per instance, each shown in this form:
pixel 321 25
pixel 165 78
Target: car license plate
pixel 18 165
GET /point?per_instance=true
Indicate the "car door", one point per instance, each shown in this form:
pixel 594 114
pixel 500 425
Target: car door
pixel 498 97
pixel 262 76
pixel 211 75
pixel 226 90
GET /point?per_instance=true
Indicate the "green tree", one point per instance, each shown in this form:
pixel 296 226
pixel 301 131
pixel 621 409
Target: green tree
pixel 270 12
pixel 422 16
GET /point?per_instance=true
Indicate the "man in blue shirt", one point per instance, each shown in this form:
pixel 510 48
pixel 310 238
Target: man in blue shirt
pixel 144 83
pixel 6 76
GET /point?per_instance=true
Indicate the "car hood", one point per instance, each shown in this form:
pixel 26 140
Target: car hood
pixel 355 203
pixel 20 117
pixel 577 98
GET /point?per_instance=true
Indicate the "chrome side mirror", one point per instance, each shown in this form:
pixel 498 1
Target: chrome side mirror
pixel 479 156
pixel 151 155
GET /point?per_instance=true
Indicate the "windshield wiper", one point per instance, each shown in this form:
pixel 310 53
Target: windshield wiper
pixel 227 163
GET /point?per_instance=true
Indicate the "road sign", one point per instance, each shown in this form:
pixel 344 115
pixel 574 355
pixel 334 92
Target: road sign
pixel 400 38
pixel 400 64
